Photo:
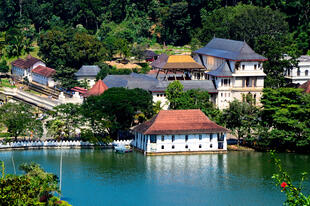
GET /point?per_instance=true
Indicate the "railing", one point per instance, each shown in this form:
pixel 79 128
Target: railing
pixel 69 143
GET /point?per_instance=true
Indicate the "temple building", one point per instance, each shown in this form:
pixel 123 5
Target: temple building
pixel 179 132
pixel 235 69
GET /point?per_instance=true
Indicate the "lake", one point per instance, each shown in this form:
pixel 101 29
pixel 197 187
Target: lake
pixel 102 177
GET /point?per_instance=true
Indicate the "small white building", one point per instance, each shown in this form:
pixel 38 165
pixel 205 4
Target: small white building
pixel 43 75
pixel 180 131
pixel 300 74
pixel 88 73
pixel 22 68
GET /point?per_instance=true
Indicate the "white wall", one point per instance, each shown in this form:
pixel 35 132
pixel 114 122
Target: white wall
pixel 161 96
pixel 179 143
pixel 90 80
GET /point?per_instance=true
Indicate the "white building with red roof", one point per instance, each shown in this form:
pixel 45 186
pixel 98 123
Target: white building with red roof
pixel 180 131
pixel 43 75
pixel 22 68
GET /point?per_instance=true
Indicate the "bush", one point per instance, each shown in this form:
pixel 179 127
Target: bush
pixel 5 134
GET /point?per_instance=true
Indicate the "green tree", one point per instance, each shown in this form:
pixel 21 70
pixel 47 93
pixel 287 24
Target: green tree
pixel 241 118
pixel 191 99
pixel 286 114
pixel 4 68
pixel 67 118
pixel 20 120
pixel 174 92
pixel 104 71
pixel 117 107
pixel 35 187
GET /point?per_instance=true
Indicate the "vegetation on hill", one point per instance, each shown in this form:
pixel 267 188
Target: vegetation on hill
pixel 71 33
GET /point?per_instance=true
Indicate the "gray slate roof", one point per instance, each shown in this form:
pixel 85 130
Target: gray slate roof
pixel 88 71
pixel 161 61
pixel 149 83
pixel 221 71
pixel 205 85
pixel 230 49
pixel 131 81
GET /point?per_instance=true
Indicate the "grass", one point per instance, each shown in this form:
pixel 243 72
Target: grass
pixel 6 83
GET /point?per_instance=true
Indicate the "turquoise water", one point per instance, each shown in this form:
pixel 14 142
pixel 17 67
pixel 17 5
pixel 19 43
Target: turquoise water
pixel 102 177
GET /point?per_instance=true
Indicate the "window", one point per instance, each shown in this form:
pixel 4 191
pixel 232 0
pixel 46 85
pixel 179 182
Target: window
pixel 210 60
pixel 172 138
pixel 157 95
pixel 153 139
pixel 211 145
pixel 306 73
pixel 186 146
pixel 186 138
pixel 200 146
pixel 255 81
pixel 243 67
pixel 200 137
pixel 162 138
pixel 211 137
pixel 220 145
pixel 255 66
pixel 162 147
pixel 298 72
pixel 161 95
pixel 172 147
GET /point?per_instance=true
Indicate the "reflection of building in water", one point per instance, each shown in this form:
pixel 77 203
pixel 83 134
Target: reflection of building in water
pixel 207 169
pixel 179 131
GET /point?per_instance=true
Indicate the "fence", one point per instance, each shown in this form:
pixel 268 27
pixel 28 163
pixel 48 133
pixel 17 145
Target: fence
pixel 46 144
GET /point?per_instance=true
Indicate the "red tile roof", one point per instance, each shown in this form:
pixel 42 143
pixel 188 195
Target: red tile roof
pixel 97 89
pixel 79 89
pixel 189 121
pixel 306 86
pixel 44 71
pixel 26 63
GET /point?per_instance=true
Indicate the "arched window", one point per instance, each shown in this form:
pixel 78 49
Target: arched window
pixel 306 73
pixel 298 72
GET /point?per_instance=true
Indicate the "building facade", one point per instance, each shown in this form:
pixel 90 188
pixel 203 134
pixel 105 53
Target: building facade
pixel 22 68
pixel 180 131
pixel 43 75
pixel 87 73
pixel 235 69
pixel 300 74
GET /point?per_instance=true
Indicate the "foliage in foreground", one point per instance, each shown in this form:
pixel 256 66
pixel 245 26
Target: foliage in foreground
pixel 294 195
pixel 35 187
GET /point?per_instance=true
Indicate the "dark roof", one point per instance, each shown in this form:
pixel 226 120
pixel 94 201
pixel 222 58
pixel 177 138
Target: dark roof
pixel 160 62
pixel 97 89
pixel 88 71
pixel 149 54
pixel 305 86
pixel 221 71
pixel 25 63
pixel 189 121
pixel 131 81
pixel 205 85
pixel 230 49
pixel 44 71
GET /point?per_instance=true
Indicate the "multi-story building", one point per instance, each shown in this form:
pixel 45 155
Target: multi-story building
pixel 235 69
pixel 300 74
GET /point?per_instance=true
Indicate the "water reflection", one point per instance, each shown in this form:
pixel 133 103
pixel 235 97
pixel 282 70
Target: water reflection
pixel 102 177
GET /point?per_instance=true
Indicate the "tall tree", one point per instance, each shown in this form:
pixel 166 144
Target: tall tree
pixel 20 120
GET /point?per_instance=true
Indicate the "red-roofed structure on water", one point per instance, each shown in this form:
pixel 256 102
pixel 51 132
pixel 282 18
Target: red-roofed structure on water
pixel 179 131
pixel 306 86
pixel 97 89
